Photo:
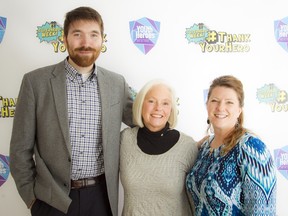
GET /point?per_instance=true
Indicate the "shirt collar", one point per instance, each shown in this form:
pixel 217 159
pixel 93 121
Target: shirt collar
pixel 72 73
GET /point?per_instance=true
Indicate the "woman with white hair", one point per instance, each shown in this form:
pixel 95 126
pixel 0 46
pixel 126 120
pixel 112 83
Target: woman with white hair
pixel 154 156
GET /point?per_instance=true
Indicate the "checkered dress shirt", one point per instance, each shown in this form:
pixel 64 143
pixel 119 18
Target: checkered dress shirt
pixel 84 113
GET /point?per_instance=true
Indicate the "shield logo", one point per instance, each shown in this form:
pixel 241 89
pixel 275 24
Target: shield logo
pixel 281 32
pixel 4 169
pixel 281 160
pixel 2 27
pixel 144 33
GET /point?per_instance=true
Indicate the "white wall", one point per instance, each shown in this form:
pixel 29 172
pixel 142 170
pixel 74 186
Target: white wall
pixel 173 58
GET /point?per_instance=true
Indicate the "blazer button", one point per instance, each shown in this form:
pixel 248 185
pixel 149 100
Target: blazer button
pixel 69 159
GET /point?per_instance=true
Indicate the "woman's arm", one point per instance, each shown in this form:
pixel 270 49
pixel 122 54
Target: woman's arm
pixel 258 176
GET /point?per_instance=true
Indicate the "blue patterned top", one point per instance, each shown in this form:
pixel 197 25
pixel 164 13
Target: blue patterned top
pixel 243 182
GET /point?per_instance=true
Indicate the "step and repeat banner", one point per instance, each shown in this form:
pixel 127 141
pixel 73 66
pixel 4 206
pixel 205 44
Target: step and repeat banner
pixel 187 43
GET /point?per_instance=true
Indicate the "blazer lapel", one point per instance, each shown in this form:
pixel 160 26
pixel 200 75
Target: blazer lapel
pixel 105 96
pixel 58 84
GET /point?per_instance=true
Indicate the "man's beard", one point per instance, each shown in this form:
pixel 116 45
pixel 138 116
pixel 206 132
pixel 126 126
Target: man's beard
pixel 81 60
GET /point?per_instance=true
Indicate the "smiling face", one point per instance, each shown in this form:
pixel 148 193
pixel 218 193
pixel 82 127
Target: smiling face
pixel 223 108
pixel 83 43
pixel 156 108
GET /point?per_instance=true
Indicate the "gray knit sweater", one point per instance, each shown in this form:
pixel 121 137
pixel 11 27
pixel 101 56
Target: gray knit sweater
pixel 154 185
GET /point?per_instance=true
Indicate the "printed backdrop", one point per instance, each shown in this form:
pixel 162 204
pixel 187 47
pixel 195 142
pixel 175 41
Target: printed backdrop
pixel 187 43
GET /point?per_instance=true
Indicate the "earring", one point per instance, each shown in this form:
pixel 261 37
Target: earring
pixel 210 127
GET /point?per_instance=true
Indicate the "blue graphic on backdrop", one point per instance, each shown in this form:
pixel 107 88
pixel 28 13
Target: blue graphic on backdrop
pixel 196 33
pixel 281 32
pixel 205 95
pixel 144 33
pixel 133 92
pixel 3 21
pixel 281 160
pixel 49 32
pixel 275 97
pixel 4 169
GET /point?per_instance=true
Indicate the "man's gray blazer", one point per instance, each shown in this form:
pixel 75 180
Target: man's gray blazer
pixel 40 150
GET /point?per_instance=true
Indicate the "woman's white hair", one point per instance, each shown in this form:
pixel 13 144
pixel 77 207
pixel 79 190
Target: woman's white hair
pixel 138 103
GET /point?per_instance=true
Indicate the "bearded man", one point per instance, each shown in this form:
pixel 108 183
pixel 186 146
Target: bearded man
pixel 64 150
